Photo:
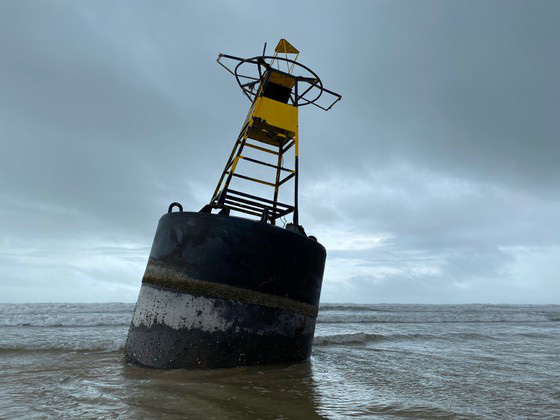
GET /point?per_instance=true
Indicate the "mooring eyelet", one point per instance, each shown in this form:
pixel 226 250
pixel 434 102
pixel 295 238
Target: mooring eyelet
pixel 174 204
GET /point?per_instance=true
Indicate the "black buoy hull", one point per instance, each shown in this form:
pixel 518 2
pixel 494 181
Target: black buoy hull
pixel 221 291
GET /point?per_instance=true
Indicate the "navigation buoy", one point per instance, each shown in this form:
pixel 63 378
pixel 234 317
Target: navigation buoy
pixel 221 290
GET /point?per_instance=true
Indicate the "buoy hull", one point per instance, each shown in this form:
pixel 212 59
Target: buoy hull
pixel 221 291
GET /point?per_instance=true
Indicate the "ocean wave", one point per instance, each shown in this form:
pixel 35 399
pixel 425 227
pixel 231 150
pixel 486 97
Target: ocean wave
pixel 99 345
pixel 350 307
pixel 431 318
pixel 64 308
pixel 117 344
pixel 65 321
pixel 356 338
pixel 66 315
pixel 363 338
pixel 120 314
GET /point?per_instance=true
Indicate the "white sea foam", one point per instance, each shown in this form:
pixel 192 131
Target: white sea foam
pixel 364 314
pixel 66 320
pixel 120 314
pixel 80 345
pixel 65 315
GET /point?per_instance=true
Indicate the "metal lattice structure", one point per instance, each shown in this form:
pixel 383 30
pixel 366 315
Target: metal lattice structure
pixel 270 129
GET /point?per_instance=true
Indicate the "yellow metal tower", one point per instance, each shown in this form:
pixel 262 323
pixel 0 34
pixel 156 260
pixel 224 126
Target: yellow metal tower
pixel 270 130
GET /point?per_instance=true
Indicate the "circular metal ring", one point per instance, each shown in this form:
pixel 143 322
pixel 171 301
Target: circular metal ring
pixel 257 59
pixel 174 204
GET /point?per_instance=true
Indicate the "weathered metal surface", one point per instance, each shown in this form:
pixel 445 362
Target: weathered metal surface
pixel 221 291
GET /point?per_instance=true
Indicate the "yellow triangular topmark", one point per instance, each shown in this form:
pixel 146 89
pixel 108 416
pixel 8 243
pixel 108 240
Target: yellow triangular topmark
pixel 285 47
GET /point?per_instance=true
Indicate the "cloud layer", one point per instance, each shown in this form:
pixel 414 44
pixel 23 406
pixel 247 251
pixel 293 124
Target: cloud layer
pixel 436 179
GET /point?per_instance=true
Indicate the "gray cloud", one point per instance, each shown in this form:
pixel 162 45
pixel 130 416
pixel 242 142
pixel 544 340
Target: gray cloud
pixel 435 179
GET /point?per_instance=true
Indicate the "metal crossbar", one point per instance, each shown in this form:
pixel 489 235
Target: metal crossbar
pixel 264 200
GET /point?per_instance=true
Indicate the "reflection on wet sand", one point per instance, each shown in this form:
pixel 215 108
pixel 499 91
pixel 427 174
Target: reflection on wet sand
pixel 248 392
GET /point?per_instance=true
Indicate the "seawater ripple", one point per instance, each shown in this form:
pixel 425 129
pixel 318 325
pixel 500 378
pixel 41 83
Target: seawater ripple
pixel 119 314
pixel 454 361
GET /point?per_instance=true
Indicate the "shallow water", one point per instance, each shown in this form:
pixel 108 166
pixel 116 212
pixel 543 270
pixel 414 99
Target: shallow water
pixel 451 361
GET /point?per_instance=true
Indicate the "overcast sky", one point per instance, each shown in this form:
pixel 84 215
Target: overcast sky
pixel 436 179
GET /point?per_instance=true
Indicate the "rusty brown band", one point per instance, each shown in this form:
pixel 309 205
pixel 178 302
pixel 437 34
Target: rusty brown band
pixel 165 276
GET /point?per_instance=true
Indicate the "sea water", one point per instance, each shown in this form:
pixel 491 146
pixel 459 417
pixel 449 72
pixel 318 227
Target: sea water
pixel 370 361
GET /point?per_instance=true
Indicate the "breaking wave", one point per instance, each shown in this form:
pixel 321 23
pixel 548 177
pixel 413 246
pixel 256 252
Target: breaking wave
pixel 350 307
pixel 368 317
pixel 97 345
pixel 363 338
pixel 356 338
pixel 120 314
pixel 66 315
pixel 65 321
